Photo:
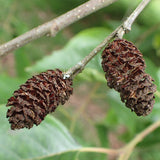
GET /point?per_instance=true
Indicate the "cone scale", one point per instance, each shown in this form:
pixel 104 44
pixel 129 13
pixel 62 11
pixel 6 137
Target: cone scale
pixel 39 96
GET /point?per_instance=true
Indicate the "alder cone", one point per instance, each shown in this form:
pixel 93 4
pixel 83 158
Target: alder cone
pixel 124 69
pixel 39 96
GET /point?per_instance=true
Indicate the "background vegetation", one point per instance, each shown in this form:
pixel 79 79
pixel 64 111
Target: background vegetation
pixel 94 115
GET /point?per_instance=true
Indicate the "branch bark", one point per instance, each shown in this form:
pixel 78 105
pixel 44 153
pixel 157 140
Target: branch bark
pixel 125 27
pixel 52 27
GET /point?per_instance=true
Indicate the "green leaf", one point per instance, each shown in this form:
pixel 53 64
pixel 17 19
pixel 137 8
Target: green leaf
pixel 77 48
pixel 121 115
pixel 154 71
pixel 102 132
pixel 147 18
pixel 70 155
pixel 92 75
pixel 156 41
pixel 48 139
pixel 22 61
pixel 156 44
pixel 7 86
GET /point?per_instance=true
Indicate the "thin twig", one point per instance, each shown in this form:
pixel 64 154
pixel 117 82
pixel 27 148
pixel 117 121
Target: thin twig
pixel 54 26
pixel 121 152
pixel 129 21
pixel 119 32
pixel 80 66
pixel 101 150
pixel 124 152
pixel 127 150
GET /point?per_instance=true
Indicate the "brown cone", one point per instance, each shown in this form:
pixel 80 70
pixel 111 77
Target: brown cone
pixel 39 96
pixel 124 66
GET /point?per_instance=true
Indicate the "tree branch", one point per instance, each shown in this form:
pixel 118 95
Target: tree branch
pixel 101 150
pixel 118 32
pixel 126 151
pixel 129 21
pixel 54 26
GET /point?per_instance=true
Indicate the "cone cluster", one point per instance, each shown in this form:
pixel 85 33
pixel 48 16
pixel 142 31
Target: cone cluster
pixel 39 96
pixel 124 69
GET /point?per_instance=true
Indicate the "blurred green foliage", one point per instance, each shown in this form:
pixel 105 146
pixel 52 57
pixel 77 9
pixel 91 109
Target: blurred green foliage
pixel 35 143
pixel 101 112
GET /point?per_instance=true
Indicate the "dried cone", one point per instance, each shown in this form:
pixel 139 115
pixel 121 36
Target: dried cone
pixel 39 96
pixel 124 66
